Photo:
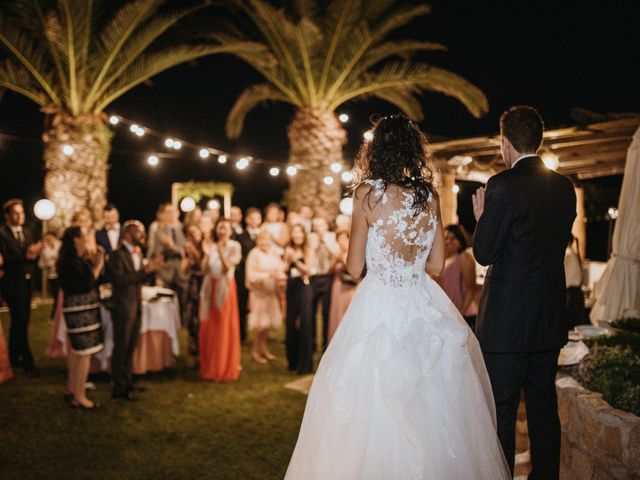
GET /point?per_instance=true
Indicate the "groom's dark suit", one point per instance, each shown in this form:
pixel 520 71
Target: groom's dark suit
pixel 522 322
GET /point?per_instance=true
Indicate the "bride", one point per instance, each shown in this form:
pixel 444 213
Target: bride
pixel 402 391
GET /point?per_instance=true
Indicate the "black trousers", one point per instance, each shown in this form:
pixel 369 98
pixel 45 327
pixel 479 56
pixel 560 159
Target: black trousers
pixel 125 337
pixel 19 303
pixel 243 299
pixel 535 373
pixel 321 286
pixel 299 343
pixel 575 306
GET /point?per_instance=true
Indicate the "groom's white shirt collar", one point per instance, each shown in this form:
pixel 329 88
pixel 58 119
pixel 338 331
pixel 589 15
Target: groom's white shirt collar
pixel 523 156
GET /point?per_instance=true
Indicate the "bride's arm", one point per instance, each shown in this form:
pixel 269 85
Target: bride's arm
pixel 435 262
pixel 358 234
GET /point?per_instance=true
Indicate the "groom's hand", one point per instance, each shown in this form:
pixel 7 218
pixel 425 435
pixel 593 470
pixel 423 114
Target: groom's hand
pixel 478 203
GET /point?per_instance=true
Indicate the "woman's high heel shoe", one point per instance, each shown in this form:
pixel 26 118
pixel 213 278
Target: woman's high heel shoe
pixel 258 358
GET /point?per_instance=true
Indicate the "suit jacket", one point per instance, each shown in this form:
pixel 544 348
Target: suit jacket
pixel 17 268
pixel 523 233
pixel 126 284
pixel 102 239
pixel 246 244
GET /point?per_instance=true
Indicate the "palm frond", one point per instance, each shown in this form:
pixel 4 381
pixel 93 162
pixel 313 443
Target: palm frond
pixel 15 77
pixel 398 18
pixel 247 101
pixel 150 64
pixel 402 75
pixel 405 99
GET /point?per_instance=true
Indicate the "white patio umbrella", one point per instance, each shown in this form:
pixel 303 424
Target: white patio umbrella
pixel 619 287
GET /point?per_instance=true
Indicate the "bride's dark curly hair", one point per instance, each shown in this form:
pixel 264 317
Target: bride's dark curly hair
pixel 398 155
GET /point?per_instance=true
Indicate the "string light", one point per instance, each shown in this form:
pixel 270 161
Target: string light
pixel 368 135
pixel 213 204
pixel 336 167
pixel 328 180
pixel 187 204
pixel 114 120
pixel 134 128
pixel 222 159
pixel 177 145
pixel 347 176
pixel 274 171
pixel 68 150
pixel 153 160
pixel 291 170
pixel 455 188
pixel 344 118
pixel 346 206
pixel 242 163
pixel 204 153
pixel 168 143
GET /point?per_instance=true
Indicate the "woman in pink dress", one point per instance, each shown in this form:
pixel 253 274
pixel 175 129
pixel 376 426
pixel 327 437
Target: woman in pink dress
pixel 265 279
pixel 219 335
pixel 344 285
pixel 458 278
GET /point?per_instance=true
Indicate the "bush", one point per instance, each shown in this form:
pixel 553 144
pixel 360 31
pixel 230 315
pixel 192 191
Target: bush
pixel 612 367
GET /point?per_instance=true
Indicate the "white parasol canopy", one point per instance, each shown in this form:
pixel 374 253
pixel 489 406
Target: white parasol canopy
pixel 619 287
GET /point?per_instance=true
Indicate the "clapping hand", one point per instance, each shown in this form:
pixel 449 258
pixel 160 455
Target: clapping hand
pixel 155 264
pixel 33 250
pixel 478 202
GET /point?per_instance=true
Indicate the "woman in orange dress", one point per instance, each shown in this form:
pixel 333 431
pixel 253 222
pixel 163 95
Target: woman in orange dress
pixel 219 335
pixel 6 373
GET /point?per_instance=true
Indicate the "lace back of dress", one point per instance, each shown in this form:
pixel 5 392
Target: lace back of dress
pixel 399 239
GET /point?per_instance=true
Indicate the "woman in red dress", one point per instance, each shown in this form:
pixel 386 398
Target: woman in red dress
pixel 6 373
pixel 219 336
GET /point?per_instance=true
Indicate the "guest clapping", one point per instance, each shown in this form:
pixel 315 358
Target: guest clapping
pixel 78 270
pixel 265 279
pixel 298 260
pixel 344 285
pixel 128 273
pixel 192 256
pixel 219 336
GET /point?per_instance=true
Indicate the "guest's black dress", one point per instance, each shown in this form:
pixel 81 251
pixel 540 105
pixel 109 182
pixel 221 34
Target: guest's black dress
pixel 81 305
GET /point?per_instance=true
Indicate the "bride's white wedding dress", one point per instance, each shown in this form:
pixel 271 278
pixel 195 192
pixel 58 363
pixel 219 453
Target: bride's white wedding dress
pixel 402 391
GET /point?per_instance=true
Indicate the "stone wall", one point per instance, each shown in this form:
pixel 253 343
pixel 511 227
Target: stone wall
pixel 599 442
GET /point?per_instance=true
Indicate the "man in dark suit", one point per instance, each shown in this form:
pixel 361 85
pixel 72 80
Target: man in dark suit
pixel 524 223
pixel 108 237
pixel 247 238
pixel 128 274
pixel 19 252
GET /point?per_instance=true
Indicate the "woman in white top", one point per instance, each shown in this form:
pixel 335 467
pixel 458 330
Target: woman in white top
pixel 276 227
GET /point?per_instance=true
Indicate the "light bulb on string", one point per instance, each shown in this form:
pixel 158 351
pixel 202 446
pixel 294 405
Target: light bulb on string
pixel 204 153
pixel 140 132
pixel 68 150
pixel 346 206
pixel 213 204
pixel 222 159
pixel 153 160
pixel 368 135
pixel 177 145
pixel 114 120
pixel 328 180
pixel 134 128
pixel 343 117
pixel 242 163
pixel 168 143
pixel 336 167
pixel 291 170
pixel 274 171
pixel 455 188
pixel 187 204
pixel 347 176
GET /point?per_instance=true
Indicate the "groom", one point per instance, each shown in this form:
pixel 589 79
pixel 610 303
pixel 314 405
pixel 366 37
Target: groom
pixel 524 223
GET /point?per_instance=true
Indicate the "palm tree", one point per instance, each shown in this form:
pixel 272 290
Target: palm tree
pixel 74 58
pixel 318 55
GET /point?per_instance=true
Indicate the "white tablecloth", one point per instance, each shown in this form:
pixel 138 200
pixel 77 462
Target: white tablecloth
pixel 160 315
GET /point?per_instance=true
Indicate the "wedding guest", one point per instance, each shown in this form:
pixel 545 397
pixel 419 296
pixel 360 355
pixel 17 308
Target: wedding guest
pixel 213 214
pixel 6 373
pixel 235 217
pixel 293 218
pixel 108 237
pixel 219 336
pixel 343 222
pixel 192 218
pixel 323 243
pixel 19 252
pixel 573 276
pixel 344 285
pixel 128 273
pixel 47 264
pixel 298 259
pixel 306 217
pixel 192 256
pixel 82 218
pixel 206 227
pixel 79 270
pixel 458 278
pixel 274 224
pixel 265 278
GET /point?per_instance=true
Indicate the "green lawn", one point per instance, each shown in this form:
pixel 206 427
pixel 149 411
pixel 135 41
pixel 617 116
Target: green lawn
pixel 182 427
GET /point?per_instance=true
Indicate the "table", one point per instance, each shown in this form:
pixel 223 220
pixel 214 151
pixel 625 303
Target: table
pixel 157 343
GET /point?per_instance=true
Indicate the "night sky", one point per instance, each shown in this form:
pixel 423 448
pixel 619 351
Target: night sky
pixel 554 58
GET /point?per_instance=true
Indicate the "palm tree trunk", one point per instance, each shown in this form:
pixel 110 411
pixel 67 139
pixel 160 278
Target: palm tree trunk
pixel 316 138
pixel 76 179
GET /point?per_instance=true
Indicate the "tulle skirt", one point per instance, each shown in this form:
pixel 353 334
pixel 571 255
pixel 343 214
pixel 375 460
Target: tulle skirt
pixel 401 393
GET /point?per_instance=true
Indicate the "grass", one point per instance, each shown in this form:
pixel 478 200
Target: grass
pixel 182 427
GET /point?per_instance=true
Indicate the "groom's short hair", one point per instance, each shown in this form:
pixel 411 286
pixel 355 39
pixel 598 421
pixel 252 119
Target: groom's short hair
pixel 523 126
